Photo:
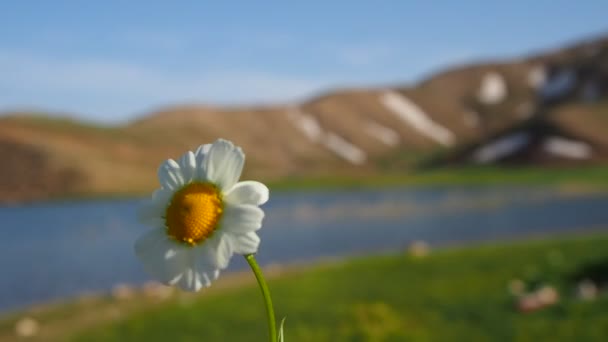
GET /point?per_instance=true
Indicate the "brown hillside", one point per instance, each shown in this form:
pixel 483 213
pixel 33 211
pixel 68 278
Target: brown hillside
pixel 358 131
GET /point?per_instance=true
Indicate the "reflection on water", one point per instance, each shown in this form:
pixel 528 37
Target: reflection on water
pixel 55 250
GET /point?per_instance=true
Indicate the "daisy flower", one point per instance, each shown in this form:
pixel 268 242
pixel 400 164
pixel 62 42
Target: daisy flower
pixel 200 216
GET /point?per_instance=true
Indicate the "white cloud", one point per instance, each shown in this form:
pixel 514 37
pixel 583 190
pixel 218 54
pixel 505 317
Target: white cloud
pixel 366 54
pixel 104 81
pixel 117 88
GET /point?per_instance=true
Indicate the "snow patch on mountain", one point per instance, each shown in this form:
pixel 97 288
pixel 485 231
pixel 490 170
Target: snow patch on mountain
pixel 306 123
pixel 501 148
pixel 344 149
pixel 567 148
pixel 408 111
pixel 493 89
pixel 386 135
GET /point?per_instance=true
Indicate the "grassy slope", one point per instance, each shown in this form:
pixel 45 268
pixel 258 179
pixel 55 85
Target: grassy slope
pixel 582 178
pixel 590 176
pixel 453 295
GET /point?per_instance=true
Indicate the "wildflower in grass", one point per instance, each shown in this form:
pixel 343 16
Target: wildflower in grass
pixel 200 216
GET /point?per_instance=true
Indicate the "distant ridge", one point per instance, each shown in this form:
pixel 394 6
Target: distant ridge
pixel 547 109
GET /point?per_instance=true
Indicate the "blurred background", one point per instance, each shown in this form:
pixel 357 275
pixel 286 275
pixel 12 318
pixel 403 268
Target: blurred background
pixel 437 172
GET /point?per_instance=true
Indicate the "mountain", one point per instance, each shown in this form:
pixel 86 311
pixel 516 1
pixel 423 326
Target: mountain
pixel 549 109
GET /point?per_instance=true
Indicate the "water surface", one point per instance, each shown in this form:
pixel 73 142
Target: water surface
pixel 55 250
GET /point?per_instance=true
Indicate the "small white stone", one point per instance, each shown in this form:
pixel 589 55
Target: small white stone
pixel 419 249
pixel 528 303
pixel 122 292
pixel 547 295
pixel 587 290
pixel 27 327
pixel 156 290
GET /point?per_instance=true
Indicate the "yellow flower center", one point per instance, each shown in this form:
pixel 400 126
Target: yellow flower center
pixel 194 212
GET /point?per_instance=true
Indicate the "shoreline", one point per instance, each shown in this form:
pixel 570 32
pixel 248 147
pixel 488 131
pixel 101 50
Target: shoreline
pixel 588 179
pixel 241 278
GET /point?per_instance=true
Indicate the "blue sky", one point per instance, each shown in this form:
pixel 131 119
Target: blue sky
pixel 111 61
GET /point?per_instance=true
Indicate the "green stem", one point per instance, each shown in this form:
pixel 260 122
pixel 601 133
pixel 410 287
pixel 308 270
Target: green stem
pixel 272 328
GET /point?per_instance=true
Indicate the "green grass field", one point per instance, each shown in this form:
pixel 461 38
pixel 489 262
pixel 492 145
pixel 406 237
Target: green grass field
pixel 454 294
pixel 589 177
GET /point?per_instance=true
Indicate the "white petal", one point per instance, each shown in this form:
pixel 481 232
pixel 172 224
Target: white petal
pixel 202 268
pixel 151 211
pixel 191 279
pixel 247 192
pixel 170 175
pixel 224 164
pixel 224 251
pixel 245 243
pixel 187 163
pixel 163 258
pixel 241 218
pixel 200 155
pixel 207 273
pixel 189 268
pixel 201 152
pixel 214 253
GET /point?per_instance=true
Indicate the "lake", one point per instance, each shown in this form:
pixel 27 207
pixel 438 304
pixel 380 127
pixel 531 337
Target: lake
pixel 55 250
